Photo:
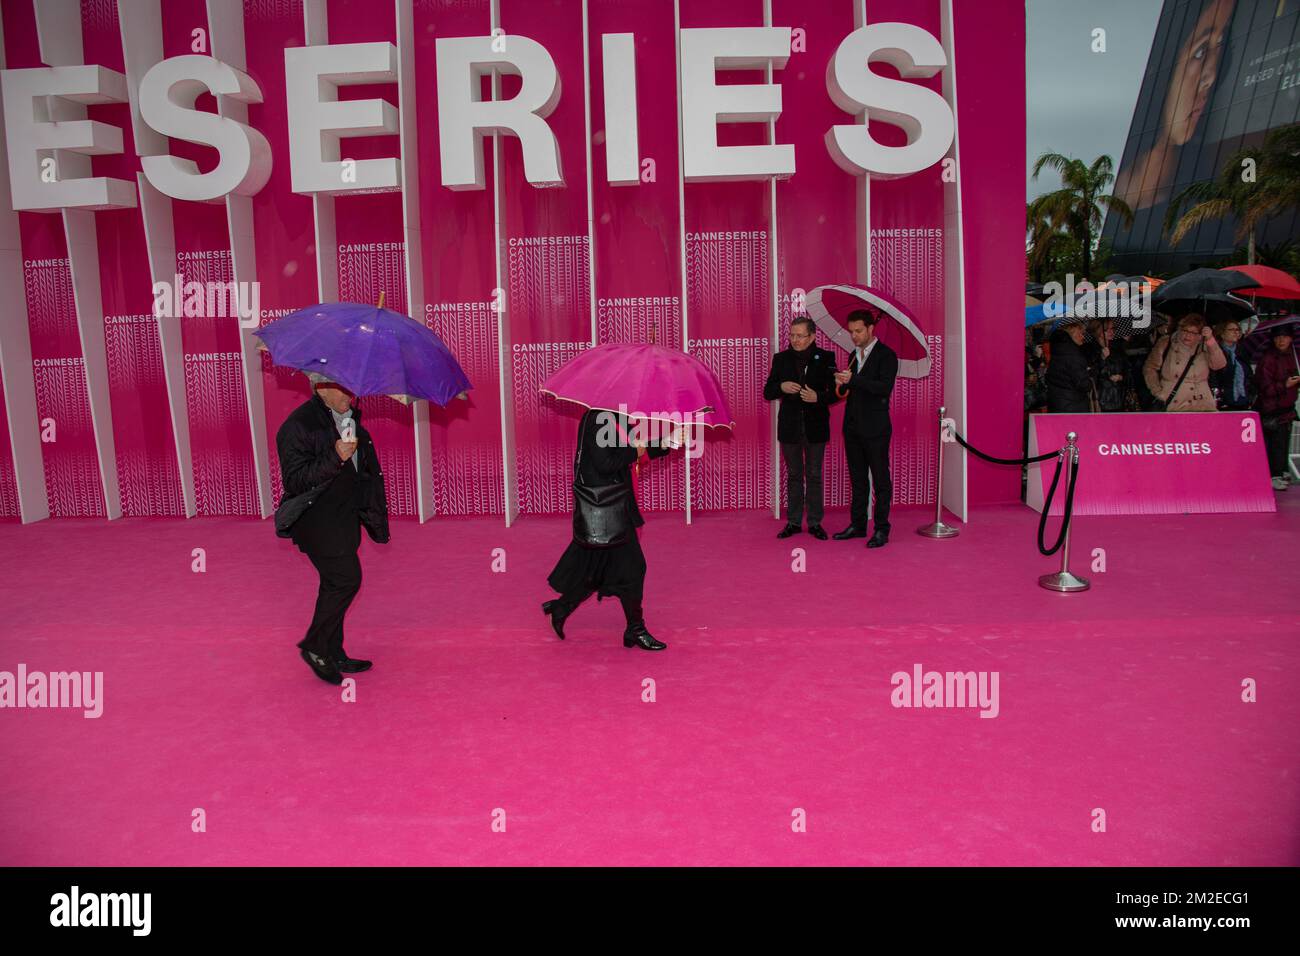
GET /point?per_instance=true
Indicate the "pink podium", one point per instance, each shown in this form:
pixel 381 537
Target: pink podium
pixel 1155 463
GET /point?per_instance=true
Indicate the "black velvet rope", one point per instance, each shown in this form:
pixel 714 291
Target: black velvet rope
pixel 1069 507
pixel 1002 461
pixel 1051 491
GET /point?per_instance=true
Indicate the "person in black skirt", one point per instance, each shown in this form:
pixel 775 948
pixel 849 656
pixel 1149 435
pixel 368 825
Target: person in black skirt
pixel 606 454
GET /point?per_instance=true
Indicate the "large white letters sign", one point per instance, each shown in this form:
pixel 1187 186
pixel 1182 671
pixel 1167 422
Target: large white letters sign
pixel 50 141
pixel 167 96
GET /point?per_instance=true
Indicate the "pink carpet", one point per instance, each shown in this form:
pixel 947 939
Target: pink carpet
pixel 774 694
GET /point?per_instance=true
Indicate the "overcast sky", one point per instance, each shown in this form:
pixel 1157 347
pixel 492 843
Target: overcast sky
pixel 1080 103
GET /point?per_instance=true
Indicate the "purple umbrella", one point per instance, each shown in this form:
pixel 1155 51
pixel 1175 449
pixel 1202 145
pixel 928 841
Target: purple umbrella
pixel 1253 346
pixel 644 381
pixel 367 349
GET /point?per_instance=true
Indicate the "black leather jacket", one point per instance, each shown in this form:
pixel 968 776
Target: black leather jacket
pixel 310 468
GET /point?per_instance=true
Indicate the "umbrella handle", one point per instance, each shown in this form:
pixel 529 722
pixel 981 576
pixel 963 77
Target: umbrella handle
pixel 381 299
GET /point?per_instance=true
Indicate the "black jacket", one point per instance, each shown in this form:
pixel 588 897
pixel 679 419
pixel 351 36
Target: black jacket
pixel 1110 395
pixel 866 396
pixel 797 419
pixel 327 500
pixel 1069 378
pixel 610 464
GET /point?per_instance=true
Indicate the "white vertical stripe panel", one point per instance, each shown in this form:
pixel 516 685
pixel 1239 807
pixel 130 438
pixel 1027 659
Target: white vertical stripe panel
pixel 58 31
pixel 504 340
pixel 140 22
pixel 773 265
pixel 407 96
pixel 16 353
pixel 83 263
pixel 316 27
pixel 864 181
pixel 226 34
pixel 954 492
pixel 591 209
pixel 681 222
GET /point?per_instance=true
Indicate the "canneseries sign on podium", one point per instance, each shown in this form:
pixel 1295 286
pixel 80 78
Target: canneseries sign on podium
pixel 50 140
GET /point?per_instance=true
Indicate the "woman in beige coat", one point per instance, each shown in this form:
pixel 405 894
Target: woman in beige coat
pixel 1192 340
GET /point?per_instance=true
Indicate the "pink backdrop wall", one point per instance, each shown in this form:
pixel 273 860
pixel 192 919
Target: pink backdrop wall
pixel 459 259
pixel 737 289
pixel 637 249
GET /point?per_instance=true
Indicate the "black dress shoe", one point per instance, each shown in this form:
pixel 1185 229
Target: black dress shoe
pixel 352 665
pixel 878 540
pixel 850 532
pixel 788 530
pixel 817 531
pixel 558 613
pixel 324 668
pixel 637 635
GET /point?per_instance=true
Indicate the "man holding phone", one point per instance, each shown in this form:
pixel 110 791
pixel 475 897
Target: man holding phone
pixel 866 386
pixel 333 486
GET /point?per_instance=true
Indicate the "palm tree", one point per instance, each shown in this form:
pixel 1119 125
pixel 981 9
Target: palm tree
pixel 1274 188
pixel 1079 207
pixel 1048 245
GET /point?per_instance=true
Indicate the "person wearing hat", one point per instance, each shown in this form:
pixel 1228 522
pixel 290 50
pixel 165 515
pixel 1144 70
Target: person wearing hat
pixel 333 486
pixel 1277 378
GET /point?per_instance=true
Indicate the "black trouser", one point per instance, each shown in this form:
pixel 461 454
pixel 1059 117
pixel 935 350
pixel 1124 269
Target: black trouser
pixel 1278 443
pixel 869 467
pixel 803 464
pixel 631 604
pixel 340 580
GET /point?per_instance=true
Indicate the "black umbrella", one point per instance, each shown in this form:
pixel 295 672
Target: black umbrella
pixel 1215 306
pixel 1254 345
pixel 1201 282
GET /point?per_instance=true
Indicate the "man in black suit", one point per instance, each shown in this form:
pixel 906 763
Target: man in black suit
pixel 802 377
pixel 866 385
pixel 332 487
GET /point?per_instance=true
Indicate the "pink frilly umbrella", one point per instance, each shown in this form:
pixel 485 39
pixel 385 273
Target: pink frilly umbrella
pixel 646 382
pixel 829 306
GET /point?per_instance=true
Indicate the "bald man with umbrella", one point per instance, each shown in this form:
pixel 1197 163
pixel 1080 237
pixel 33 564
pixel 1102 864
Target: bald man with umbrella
pixel 333 483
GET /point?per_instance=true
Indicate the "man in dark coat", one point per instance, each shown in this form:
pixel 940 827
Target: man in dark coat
pixel 803 378
pixel 1069 377
pixel 333 486
pixel 866 386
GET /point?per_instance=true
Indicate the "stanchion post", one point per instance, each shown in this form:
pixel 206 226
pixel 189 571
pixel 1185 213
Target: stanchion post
pixel 938 529
pixel 1063 580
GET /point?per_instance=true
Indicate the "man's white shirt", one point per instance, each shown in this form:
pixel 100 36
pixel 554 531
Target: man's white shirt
pixel 863 353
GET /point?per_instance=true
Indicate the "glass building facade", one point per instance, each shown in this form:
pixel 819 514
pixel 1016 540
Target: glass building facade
pixel 1221 75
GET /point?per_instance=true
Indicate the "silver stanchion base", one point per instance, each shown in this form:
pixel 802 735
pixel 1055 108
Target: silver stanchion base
pixel 938 530
pixel 1063 581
